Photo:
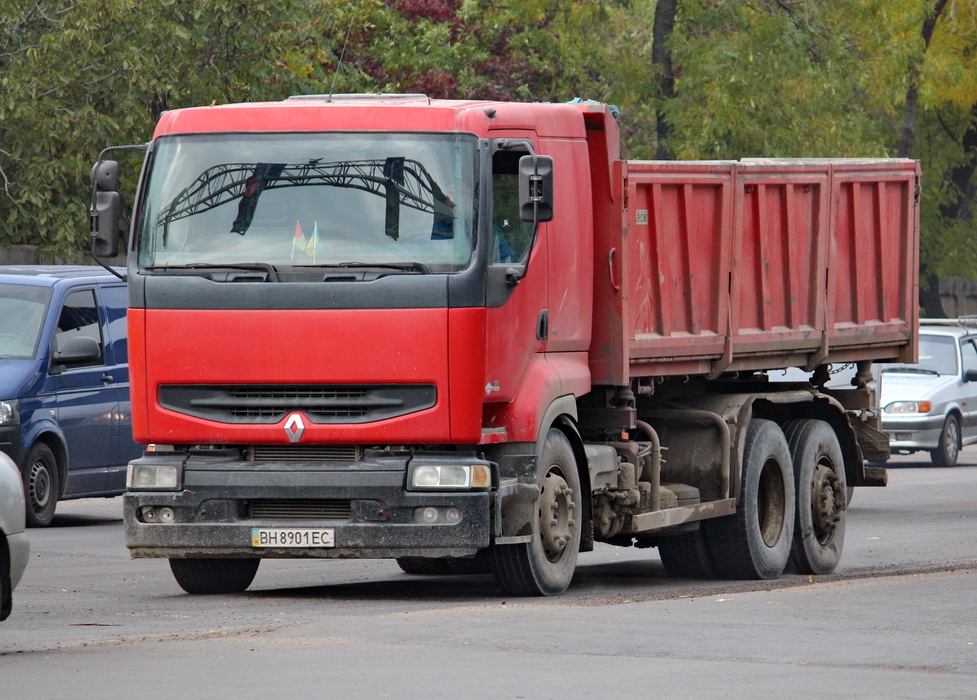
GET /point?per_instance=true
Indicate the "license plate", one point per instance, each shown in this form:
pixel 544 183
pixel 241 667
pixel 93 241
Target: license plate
pixel 292 537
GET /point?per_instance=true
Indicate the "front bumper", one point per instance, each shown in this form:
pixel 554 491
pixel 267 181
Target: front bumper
pixel 215 511
pixel 913 432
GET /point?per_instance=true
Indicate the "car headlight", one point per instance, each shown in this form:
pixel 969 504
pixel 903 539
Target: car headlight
pixel 9 412
pixel 909 407
pixel 153 477
pixel 426 477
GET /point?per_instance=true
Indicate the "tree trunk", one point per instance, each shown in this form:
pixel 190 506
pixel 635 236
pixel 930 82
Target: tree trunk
pixel 907 139
pixel 661 59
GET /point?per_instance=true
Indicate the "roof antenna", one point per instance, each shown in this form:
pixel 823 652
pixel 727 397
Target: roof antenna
pixel 342 54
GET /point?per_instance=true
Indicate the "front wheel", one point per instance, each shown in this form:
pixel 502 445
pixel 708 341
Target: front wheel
pixel 545 564
pixel 754 542
pixel 41 485
pixel 207 576
pixel 946 453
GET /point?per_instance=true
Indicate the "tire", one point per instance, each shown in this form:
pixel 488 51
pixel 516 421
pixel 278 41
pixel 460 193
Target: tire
pixel 6 586
pixel 755 542
pixel 545 565
pixel 41 485
pixel 822 497
pixel 208 576
pixel 687 556
pixel 422 566
pixel 946 453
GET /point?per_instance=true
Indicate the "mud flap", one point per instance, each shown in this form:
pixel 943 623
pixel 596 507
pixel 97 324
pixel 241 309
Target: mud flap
pixel 515 511
pixel 874 444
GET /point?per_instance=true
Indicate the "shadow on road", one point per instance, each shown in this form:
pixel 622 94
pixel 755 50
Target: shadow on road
pixel 74 520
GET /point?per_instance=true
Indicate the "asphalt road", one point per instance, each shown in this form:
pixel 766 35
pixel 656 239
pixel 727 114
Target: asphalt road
pixel 898 619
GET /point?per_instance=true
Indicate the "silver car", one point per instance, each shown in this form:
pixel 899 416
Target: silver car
pixel 13 539
pixel 932 405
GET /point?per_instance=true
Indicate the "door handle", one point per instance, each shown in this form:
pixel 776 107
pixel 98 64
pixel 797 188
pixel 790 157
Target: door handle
pixel 107 378
pixel 543 325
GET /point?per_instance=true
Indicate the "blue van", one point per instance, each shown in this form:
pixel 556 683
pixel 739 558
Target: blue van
pixel 65 417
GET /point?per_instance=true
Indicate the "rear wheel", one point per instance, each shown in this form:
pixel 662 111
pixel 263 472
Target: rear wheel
pixel 822 497
pixel 545 564
pixel 754 543
pixel 946 453
pixel 686 556
pixel 41 485
pixel 214 575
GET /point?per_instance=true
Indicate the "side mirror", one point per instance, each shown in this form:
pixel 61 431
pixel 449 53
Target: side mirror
pixel 78 350
pixel 536 188
pixel 106 210
pixel 970 375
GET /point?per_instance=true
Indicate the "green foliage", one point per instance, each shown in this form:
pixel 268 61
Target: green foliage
pixel 78 75
pixel 754 78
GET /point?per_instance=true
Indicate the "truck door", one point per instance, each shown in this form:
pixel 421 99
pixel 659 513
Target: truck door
pixel 114 300
pixel 86 400
pixel 516 320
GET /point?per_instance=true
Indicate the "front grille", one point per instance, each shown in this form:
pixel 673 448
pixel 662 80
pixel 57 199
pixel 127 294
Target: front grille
pixel 305 453
pixel 322 403
pixel 298 509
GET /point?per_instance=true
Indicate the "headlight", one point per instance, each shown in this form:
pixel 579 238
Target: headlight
pixel 909 407
pixel 162 477
pixel 9 412
pixel 450 476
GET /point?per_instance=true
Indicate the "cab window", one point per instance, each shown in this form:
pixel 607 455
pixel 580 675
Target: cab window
pixel 511 237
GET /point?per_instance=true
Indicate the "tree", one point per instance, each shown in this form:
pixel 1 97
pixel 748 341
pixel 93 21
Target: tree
pixel 77 75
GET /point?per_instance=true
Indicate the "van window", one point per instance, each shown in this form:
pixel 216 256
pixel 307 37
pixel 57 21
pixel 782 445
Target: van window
pixel 79 317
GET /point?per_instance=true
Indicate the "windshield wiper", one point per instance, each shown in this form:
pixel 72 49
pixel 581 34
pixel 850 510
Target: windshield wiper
pixel 404 266
pixel 262 266
pixel 911 370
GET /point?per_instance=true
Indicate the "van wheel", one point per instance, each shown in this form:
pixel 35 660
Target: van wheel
pixel 754 542
pixel 946 453
pixel 545 564
pixel 41 485
pixel 208 576
pixel 822 497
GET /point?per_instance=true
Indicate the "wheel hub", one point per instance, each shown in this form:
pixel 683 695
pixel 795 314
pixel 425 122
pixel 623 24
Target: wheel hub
pixel 828 500
pixel 39 485
pixel 556 515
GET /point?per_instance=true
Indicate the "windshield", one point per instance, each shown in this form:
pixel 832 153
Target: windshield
pixel 937 355
pixel 403 200
pixel 22 312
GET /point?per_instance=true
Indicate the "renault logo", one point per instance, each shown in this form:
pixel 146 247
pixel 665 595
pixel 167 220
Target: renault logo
pixel 294 427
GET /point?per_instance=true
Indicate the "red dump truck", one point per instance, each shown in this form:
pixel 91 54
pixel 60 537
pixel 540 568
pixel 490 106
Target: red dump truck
pixel 467 336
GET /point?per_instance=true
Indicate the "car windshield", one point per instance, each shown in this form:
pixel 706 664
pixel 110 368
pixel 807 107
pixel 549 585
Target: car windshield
pixel 399 201
pixel 937 355
pixel 22 313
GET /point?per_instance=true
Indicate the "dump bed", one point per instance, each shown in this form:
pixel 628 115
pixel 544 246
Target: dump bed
pixel 722 266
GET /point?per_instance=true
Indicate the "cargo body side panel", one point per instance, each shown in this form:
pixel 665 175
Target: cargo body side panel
pixel 752 265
